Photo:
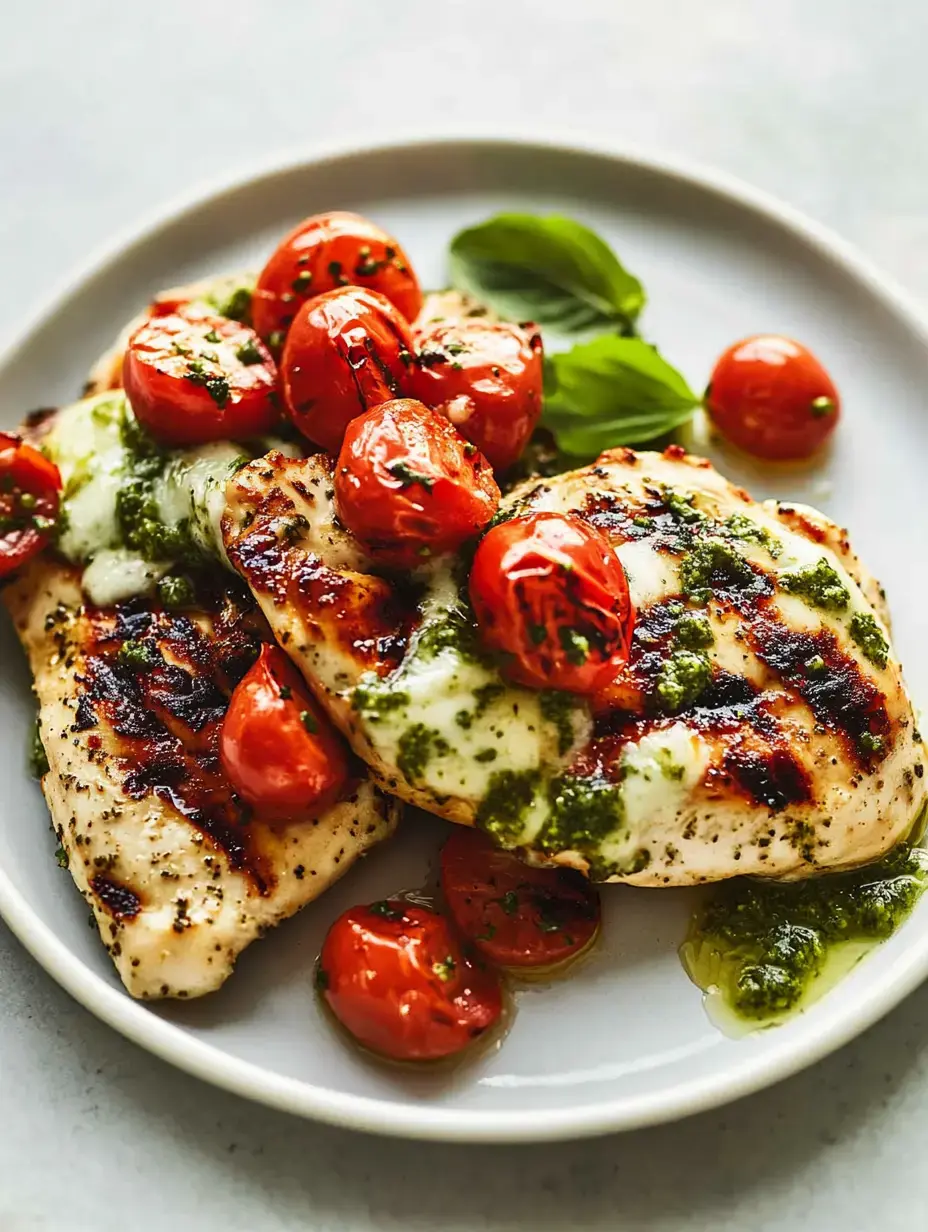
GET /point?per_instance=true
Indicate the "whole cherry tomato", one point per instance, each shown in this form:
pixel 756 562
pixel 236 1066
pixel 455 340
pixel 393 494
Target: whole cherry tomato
pixel 551 596
pixel 347 351
pixel 516 915
pixel 279 750
pixel 192 378
pixel 328 251
pixel 772 398
pixel 29 495
pixel 409 486
pixel 395 976
pixel 486 377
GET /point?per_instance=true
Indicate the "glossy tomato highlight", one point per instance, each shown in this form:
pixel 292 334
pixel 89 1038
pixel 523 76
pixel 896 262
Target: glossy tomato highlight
pixel 347 351
pixel 192 378
pixel 551 598
pixel 279 750
pixel 323 253
pixel 30 488
pixel 395 975
pixel 771 397
pixel 408 486
pixel 485 377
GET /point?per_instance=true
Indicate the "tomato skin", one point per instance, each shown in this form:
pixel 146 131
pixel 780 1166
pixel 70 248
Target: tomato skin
pixel 551 596
pixel 516 915
pixel 324 252
pixel 347 350
pixel 379 500
pixel 385 973
pixel 187 388
pixel 487 378
pixel 772 398
pixel 279 750
pixel 30 487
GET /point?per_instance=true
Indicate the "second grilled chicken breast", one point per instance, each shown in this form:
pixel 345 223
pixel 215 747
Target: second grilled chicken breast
pixel 761 725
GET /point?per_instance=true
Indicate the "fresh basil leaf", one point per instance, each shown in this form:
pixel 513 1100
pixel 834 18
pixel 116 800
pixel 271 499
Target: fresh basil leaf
pixel 612 391
pixel 550 270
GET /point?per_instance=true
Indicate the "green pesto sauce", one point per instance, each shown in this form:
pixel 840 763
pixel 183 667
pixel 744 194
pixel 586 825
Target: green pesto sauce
pixel 231 297
pixel 763 944
pixel 712 559
pixel 681 680
pixel 819 584
pixel 869 637
pixel 136 507
pixel 560 709
pixel 509 798
pixel 418 745
pixel 739 526
pixel 375 698
pixel 693 631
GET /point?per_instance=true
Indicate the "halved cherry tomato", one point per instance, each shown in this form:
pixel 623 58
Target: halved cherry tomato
pixel 772 398
pixel 486 377
pixel 328 251
pixel 191 378
pixel 518 916
pixel 29 495
pixel 551 596
pixel 395 976
pixel 281 753
pixel 346 351
pixel 409 486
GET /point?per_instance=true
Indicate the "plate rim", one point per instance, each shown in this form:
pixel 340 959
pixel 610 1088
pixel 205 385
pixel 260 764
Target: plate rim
pixel 388 1117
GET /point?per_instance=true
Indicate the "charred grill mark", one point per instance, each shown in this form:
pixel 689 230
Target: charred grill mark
pixel 85 716
pixel 838 694
pixel 771 776
pixel 364 614
pixel 165 718
pixel 120 901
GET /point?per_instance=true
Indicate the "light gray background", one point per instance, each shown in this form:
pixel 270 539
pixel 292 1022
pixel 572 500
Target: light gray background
pixel 109 109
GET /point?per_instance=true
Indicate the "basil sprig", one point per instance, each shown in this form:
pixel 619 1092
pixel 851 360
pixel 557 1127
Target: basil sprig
pixel 613 391
pixel 550 270
pixel 611 387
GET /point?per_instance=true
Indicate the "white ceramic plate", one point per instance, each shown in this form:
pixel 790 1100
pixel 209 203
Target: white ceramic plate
pixel 625 1041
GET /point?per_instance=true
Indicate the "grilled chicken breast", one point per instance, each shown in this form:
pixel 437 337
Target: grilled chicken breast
pixel 179 875
pixel 761 725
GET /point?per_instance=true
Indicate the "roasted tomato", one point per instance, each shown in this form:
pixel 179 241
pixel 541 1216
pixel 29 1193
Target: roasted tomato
pixel 347 351
pixel 772 398
pixel 281 753
pixel 29 495
pixel 409 486
pixel 325 252
pixel 516 915
pixel 192 378
pixel 486 378
pixel 395 976
pixel 550 595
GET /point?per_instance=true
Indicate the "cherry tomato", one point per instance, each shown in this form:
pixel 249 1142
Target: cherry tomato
pixel 551 596
pixel 486 377
pixel 29 493
pixel 328 251
pixel 772 398
pixel 192 378
pixel 347 350
pixel 409 486
pixel 516 915
pixel 395 975
pixel 279 750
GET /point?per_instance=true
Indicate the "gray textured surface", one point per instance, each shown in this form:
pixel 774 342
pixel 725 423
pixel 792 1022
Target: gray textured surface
pixel 105 112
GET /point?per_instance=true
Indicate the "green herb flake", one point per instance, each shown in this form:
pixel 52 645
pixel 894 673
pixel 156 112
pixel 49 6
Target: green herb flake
pixel 408 476
pixel 445 969
pixel 176 592
pixel 574 644
pixel 740 526
pixel 711 564
pixel 38 758
pixel 249 353
pixel 138 656
pixel 387 910
pixel 693 631
pixel 309 721
pixel 61 856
